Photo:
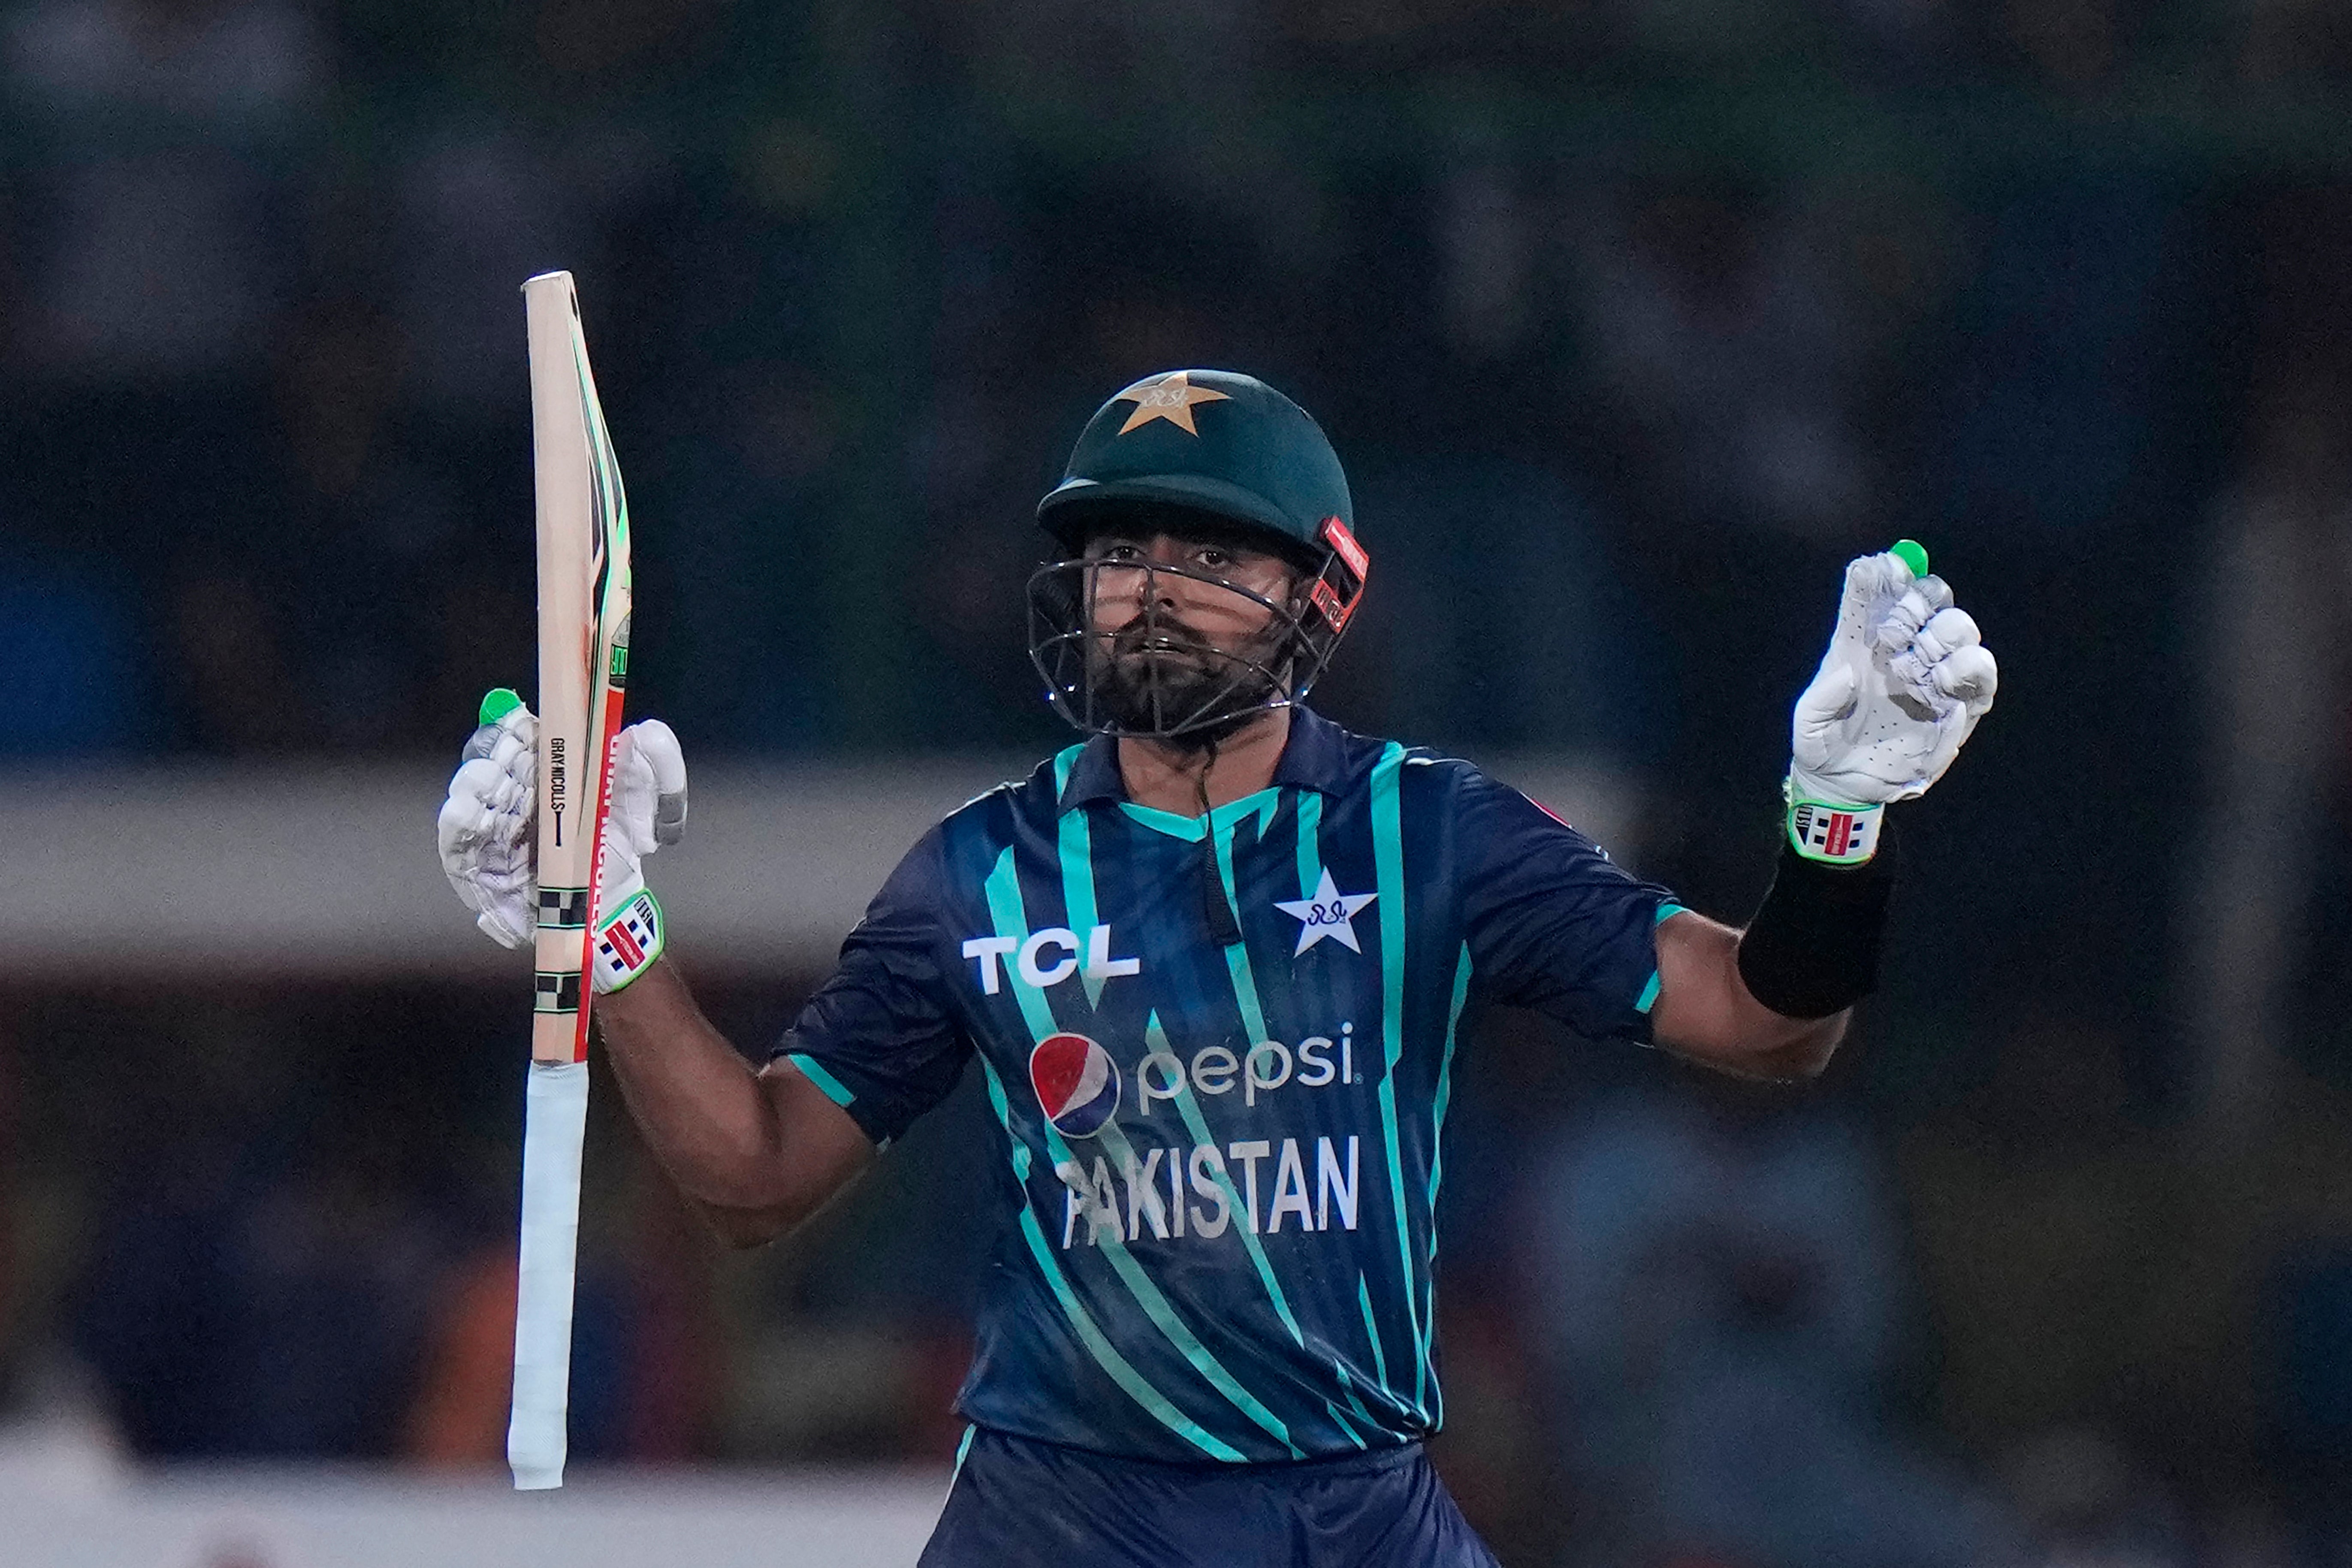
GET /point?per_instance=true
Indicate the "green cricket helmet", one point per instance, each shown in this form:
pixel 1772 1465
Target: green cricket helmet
pixel 1193 450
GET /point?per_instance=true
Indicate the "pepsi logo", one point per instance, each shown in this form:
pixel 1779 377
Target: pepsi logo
pixel 1077 1085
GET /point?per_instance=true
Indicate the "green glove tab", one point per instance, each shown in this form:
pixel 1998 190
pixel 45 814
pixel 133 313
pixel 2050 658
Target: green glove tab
pixel 498 703
pixel 1912 554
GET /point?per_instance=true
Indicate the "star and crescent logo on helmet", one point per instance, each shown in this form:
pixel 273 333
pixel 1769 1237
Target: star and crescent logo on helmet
pixel 1170 397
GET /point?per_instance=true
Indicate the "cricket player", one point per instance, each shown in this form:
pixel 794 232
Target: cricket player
pixel 1211 963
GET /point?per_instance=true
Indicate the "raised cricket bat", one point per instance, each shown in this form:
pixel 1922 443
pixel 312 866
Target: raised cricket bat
pixel 583 652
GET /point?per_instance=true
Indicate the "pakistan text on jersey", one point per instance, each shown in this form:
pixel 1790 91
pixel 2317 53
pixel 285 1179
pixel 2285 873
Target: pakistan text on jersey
pixel 1092 1194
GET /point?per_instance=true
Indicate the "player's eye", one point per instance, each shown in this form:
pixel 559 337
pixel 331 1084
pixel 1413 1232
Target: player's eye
pixel 1215 558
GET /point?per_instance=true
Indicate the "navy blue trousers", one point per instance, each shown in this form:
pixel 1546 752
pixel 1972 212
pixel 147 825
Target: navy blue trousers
pixel 1017 1502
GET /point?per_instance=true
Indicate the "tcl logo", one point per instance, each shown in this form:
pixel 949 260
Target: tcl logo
pixel 1046 957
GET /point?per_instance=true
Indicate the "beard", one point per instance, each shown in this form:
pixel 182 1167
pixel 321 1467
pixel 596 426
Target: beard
pixel 1158 677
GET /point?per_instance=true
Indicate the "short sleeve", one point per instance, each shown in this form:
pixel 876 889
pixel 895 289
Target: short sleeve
pixel 878 1037
pixel 1552 923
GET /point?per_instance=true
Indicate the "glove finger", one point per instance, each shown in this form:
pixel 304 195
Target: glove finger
pixel 1949 631
pixel 518 722
pixel 459 834
pixel 504 758
pixel 1868 580
pixel 1970 676
pixel 460 845
pixel 467 813
pixel 517 756
pixel 505 800
pixel 657 743
pixel 1911 610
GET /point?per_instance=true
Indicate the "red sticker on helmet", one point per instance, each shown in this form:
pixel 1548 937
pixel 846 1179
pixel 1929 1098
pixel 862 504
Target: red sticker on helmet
pixel 1335 535
pixel 1338 604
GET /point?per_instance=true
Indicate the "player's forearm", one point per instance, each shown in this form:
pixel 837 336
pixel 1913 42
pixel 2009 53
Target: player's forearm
pixel 700 1106
pixel 1707 1013
pixel 1780 1047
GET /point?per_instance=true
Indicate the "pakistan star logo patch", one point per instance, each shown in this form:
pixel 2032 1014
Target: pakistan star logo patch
pixel 1329 913
pixel 1169 397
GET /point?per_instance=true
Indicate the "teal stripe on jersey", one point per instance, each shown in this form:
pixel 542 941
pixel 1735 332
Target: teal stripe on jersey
pixel 1076 843
pixel 1388 881
pixel 1308 807
pixel 1348 1392
pixel 963 1448
pixel 1187 1107
pixel 1005 908
pixel 1245 994
pixel 1105 1354
pixel 1372 1330
pixel 1265 803
pixel 814 1070
pixel 1437 1174
pixel 1237 963
pixel 1667 910
pixel 1310 842
pixel 1308 882
pixel 1347 1428
pixel 1269 802
pixel 1122 1153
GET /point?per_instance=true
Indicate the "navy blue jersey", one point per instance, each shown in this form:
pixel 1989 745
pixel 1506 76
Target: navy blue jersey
pixel 1220 1159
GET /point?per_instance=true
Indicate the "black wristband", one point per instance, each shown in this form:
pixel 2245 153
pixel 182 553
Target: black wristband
pixel 1812 948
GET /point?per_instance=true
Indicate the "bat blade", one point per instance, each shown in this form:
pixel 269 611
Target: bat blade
pixel 584 619
pixel 583 614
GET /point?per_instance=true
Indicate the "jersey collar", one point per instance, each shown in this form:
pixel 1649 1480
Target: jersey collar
pixel 1314 757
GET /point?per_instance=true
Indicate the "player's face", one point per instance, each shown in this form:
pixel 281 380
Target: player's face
pixel 1178 621
pixel 1128 589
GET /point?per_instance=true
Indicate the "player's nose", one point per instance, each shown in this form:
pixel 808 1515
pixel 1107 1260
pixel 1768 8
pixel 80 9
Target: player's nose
pixel 1161 588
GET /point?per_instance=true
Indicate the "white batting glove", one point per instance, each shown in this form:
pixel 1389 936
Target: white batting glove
pixel 486 826
pixel 486 832
pixel 1905 680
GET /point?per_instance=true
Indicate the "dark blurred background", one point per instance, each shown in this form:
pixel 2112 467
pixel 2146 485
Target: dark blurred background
pixel 1631 319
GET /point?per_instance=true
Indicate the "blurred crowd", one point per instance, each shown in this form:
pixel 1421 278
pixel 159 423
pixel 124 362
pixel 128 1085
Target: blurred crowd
pixel 1631 319
pixel 1630 309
